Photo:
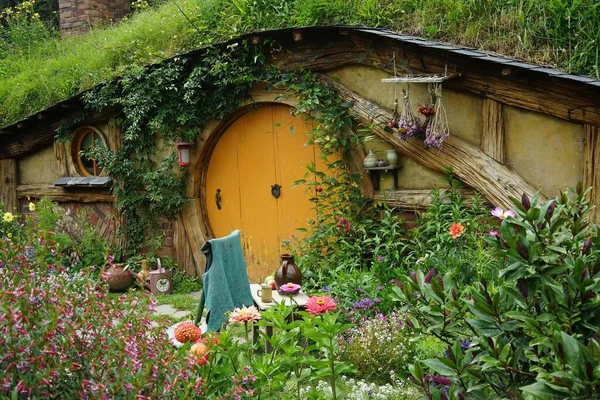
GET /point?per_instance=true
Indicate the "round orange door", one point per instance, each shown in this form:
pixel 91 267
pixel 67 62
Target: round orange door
pixel 261 153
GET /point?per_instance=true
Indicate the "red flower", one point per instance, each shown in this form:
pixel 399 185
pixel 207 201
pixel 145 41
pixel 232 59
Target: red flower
pixel 320 304
pixel 456 229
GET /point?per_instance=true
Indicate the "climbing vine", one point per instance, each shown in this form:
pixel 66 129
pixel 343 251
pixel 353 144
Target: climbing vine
pixel 174 100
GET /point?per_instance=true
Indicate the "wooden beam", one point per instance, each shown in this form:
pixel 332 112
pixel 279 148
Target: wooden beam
pixel 62 195
pixel 525 89
pixel 591 166
pixel 492 138
pixel 418 199
pixel 8 184
pixel 472 166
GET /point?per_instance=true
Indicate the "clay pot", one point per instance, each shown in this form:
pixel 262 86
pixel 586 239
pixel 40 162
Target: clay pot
pixel 287 272
pixel 370 160
pixel 118 279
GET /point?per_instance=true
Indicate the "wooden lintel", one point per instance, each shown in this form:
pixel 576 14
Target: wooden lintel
pixel 492 138
pixel 471 165
pixel 591 166
pixel 62 195
pixel 414 199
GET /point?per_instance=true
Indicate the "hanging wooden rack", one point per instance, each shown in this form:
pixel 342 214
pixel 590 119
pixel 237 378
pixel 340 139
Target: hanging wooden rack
pixel 421 78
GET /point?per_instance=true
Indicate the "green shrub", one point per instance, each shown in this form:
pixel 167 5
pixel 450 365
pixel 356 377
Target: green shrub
pixel 534 335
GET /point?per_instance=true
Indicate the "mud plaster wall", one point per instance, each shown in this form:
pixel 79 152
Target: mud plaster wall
pixel 464 111
pixel 547 152
pixel 38 167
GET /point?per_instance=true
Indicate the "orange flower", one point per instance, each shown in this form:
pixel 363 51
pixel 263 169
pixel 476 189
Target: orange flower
pixel 456 229
pixel 187 332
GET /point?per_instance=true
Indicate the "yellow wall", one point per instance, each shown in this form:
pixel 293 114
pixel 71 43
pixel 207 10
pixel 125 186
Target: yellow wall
pixel 547 152
pixel 38 167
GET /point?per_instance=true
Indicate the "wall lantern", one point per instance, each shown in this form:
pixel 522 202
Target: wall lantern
pixel 183 148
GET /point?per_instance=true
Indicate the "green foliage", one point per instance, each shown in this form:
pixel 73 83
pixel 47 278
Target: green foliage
pixel 183 284
pixel 37 73
pixel 468 257
pixel 535 335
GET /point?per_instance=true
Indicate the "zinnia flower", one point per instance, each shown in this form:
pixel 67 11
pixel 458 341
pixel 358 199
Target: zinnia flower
pixel 456 229
pixel 320 304
pixel 503 214
pixel 31 207
pixel 187 332
pixel 8 217
pixel 199 352
pixel 244 314
pixel 289 287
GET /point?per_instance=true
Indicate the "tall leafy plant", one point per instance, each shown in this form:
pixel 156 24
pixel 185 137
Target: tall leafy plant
pixel 535 336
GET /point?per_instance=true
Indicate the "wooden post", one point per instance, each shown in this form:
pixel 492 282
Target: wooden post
pixel 492 138
pixel 8 184
pixel 591 163
pixel 62 162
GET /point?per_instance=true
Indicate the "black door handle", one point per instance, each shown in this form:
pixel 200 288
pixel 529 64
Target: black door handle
pixel 276 190
pixel 218 199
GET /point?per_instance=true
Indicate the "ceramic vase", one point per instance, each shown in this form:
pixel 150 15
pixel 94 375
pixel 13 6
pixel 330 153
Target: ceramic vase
pixel 118 279
pixel 370 160
pixel 391 157
pixel 287 272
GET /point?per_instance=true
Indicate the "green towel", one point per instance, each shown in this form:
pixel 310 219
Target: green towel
pixel 226 283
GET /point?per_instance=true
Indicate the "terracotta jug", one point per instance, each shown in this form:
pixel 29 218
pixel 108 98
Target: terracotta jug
pixel 118 278
pixel 287 272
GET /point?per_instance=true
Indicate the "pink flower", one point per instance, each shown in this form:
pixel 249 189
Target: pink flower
pixel 244 314
pixel 289 287
pixel 494 233
pixel 320 304
pixel 503 214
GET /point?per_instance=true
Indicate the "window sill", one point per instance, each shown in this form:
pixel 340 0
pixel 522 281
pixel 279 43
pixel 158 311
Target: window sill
pixel 88 182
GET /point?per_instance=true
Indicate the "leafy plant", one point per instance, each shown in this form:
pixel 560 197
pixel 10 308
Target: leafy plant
pixel 535 335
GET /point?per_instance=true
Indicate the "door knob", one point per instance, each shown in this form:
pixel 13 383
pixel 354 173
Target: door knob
pixel 276 190
pixel 218 199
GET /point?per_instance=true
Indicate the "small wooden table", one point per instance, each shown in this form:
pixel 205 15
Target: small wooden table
pixel 298 300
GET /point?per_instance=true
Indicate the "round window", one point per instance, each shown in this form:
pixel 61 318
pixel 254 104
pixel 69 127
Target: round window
pixel 85 139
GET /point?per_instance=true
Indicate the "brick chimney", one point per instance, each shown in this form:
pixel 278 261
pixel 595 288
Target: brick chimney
pixel 78 16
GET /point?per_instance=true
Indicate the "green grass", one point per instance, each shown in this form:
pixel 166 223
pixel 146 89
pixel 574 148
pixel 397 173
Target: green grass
pixel 183 302
pixel 38 70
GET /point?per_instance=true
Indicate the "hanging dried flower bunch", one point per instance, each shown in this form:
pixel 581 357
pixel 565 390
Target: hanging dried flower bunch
pixel 407 123
pixel 437 130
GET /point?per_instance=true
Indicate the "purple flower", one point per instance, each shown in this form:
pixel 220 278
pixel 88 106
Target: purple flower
pixel 429 275
pixel 380 258
pixel 326 289
pixel 379 287
pixel 494 233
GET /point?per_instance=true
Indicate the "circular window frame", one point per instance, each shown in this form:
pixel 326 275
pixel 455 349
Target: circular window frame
pixel 78 135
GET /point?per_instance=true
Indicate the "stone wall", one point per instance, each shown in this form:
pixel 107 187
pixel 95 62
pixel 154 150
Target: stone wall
pixel 78 16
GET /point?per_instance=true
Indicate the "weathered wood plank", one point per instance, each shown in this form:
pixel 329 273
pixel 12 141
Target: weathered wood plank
pixel 413 199
pixel 492 138
pixel 59 194
pixel 62 161
pixel 8 184
pixel 472 166
pixel 591 167
pixel 192 218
